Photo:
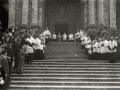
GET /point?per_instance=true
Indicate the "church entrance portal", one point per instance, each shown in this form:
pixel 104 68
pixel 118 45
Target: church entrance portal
pixel 61 28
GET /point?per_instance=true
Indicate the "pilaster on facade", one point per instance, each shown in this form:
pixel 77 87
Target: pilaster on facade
pixel 112 14
pixel 34 12
pixel 100 13
pixel 91 12
pixel 18 13
pixel 82 16
pixel 106 13
pixel 85 6
pixel 41 13
pixel 25 10
pixel 95 12
pixel 11 21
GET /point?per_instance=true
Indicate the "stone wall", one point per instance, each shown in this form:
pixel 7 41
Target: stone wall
pixel 30 13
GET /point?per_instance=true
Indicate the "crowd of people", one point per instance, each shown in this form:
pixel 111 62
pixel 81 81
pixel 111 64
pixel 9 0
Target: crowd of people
pixel 65 38
pixel 27 45
pixel 17 47
pixel 101 44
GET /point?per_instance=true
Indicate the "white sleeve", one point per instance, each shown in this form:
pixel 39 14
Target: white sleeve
pixel 115 43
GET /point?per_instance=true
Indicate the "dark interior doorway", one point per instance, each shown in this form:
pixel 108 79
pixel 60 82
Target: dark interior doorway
pixel 4 14
pixel 61 28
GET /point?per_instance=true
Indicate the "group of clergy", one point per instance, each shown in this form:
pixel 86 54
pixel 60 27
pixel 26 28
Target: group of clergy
pixel 63 38
pixel 101 47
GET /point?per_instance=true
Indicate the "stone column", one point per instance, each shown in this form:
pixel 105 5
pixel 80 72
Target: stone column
pixel 91 13
pixel 18 13
pixel 25 12
pixel 40 14
pixel 34 12
pixel 95 12
pixel 11 13
pixel 85 13
pixel 112 4
pixel 106 13
pixel 100 12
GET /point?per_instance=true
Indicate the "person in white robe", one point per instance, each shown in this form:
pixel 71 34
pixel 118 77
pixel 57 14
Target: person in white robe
pixel 30 50
pixel 54 37
pixel 77 36
pixel 82 42
pixel 38 47
pixel 47 35
pixel 95 49
pixel 98 48
pixel 106 50
pixel 112 50
pixel 102 56
pixel 90 51
pixel 64 37
pixel 71 38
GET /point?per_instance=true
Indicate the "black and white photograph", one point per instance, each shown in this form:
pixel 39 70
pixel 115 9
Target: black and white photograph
pixel 59 44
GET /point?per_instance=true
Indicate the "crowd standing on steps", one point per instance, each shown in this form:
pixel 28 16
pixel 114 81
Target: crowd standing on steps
pixel 17 47
pixel 101 44
pixel 27 45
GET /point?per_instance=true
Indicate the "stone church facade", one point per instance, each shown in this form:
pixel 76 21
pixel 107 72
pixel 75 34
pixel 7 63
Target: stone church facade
pixel 65 15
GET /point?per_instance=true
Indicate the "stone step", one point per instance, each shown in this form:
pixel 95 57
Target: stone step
pixel 66 75
pixel 63 89
pixel 73 66
pixel 71 71
pixel 80 83
pixel 77 60
pixel 83 60
pixel 66 87
pixel 72 63
pixel 114 79
pixel 67 59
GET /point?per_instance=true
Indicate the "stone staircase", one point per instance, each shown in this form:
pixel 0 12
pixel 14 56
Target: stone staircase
pixel 67 72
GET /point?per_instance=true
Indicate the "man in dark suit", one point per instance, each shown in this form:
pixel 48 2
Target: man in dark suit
pixel 5 70
pixel 10 54
pixel 16 47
